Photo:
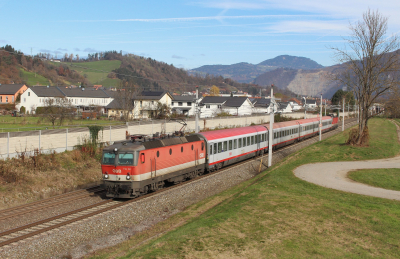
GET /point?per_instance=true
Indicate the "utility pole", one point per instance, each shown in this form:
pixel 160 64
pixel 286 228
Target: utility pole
pixel 343 116
pixel 325 107
pixel 271 126
pixel 196 130
pixel 320 121
pixel 305 108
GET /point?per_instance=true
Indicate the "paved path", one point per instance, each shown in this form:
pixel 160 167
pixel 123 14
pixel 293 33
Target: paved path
pixel 334 175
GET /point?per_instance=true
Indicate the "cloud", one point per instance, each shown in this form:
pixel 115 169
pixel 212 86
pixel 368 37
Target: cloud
pixel 45 50
pixel 65 50
pixel 241 5
pixel 76 49
pixel 90 50
pixel 209 18
pixel 313 26
pixel 177 57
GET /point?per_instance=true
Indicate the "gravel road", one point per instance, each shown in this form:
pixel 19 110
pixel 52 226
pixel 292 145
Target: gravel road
pixel 334 175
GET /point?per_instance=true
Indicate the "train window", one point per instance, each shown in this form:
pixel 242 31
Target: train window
pixel 248 141
pixel 202 145
pixel 252 140
pixel 158 153
pixel 235 144
pixel 125 159
pixel 244 142
pixel 230 144
pixel 219 147
pixel 215 148
pixel 108 158
pixel 181 150
pixel 211 149
pixel 240 143
pixel 170 151
pixel 142 158
pixel 192 146
pixel 225 146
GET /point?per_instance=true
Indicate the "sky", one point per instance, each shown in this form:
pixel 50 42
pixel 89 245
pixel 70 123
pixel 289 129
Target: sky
pixel 187 33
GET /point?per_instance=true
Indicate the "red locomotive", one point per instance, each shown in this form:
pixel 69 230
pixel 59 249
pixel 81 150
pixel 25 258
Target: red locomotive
pixel 133 168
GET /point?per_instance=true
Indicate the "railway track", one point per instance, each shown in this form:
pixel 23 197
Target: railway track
pixel 15 235
pixel 48 203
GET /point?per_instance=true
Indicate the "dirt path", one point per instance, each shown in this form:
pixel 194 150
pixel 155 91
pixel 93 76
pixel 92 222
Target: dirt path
pixel 334 175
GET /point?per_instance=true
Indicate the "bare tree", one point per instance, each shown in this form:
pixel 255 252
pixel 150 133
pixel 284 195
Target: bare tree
pixel 127 98
pixel 57 109
pixel 370 66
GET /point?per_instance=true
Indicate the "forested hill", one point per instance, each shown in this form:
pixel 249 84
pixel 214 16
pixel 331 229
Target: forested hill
pixel 110 69
pixel 246 72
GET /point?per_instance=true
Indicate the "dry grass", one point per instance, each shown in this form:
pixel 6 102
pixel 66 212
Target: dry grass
pixel 29 178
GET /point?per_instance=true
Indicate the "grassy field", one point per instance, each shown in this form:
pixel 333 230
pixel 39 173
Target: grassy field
pixel 27 123
pixel 383 178
pixel 278 215
pixel 93 71
pixel 30 78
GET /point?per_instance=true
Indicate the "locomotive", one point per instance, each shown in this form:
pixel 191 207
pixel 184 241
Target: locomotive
pixel 135 167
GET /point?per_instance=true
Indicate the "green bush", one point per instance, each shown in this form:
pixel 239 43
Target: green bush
pixel 22 110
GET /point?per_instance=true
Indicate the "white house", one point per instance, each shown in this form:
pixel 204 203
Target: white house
pixel 145 104
pixel 311 104
pixel 285 107
pixel 210 106
pixel 81 98
pixel 183 104
pixel 262 105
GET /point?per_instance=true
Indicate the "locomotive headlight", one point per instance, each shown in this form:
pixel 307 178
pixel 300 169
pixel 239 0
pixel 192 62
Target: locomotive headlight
pixel 128 177
pixel 115 149
pixel 106 176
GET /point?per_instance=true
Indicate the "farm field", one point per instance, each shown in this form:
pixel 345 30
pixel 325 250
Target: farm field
pixel 27 123
pixel 30 78
pixel 93 71
pixel 278 215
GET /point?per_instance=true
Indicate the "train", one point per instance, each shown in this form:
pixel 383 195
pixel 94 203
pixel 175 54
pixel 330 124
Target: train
pixel 141 164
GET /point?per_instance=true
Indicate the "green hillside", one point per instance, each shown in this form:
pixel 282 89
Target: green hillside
pixel 93 71
pixel 31 78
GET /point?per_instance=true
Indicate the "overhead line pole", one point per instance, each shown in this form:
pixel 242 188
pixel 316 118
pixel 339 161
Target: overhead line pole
pixel 271 127
pixel 320 120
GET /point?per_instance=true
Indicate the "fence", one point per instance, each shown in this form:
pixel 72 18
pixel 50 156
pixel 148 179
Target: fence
pixel 60 140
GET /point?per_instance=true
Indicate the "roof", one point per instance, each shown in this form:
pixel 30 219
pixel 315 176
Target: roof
pixel 283 124
pixel 311 102
pixel 47 91
pixel 55 91
pixel 85 92
pixel 235 101
pixel 262 102
pixel 226 133
pixel 226 101
pixel 116 104
pixel 10 89
pixel 150 95
pixel 185 98
pixel 214 99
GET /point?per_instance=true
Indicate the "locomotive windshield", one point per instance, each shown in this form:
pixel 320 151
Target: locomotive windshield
pixel 108 159
pixel 125 159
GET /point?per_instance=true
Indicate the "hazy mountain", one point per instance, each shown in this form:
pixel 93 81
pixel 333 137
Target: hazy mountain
pixel 246 72
pixel 301 81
